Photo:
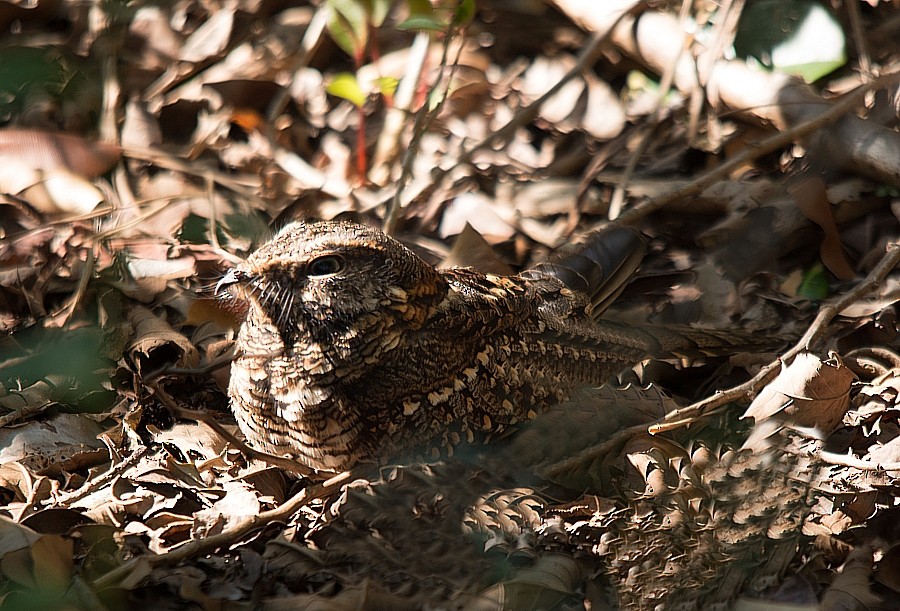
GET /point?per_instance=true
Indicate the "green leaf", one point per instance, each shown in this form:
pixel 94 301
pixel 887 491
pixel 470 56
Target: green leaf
pixel 387 85
pixel 814 285
pixel 465 12
pixel 347 24
pixel 419 8
pixel 345 86
pixel 378 11
pixel 423 23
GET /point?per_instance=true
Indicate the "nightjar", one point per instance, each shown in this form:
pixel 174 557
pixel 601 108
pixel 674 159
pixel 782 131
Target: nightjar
pixel 356 349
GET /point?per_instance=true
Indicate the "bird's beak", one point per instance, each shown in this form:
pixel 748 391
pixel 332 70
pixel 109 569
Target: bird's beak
pixel 233 276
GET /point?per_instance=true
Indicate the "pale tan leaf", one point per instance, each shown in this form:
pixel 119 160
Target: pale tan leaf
pixel 211 38
pixel 39 444
pixel 68 192
pixel 809 392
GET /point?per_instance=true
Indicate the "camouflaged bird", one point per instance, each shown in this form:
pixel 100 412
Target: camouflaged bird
pixel 355 349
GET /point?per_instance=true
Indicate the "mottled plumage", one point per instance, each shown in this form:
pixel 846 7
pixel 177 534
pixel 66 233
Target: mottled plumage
pixel 355 349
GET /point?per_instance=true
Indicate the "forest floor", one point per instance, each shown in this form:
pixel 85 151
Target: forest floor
pixel 149 147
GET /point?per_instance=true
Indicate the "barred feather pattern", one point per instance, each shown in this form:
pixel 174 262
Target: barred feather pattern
pixel 355 349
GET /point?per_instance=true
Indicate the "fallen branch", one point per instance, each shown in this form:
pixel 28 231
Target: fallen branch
pixel 653 38
pixel 827 313
pixel 751 152
pixel 743 392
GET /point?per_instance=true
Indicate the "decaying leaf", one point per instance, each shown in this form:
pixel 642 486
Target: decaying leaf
pixel 809 392
pixel 151 336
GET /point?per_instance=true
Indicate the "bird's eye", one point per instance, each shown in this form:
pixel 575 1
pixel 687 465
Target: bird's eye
pixel 326 265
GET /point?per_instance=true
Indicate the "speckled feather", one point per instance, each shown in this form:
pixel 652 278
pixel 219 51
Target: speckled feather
pixel 384 352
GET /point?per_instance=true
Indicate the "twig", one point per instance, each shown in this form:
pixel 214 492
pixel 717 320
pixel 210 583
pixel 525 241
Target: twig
pixel 101 480
pixel 764 147
pixel 527 113
pixel 220 361
pixel 227 537
pixel 25 412
pixel 648 129
pixel 418 130
pixel 164 160
pixel 680 417
pixel 845 460
pixel 826 314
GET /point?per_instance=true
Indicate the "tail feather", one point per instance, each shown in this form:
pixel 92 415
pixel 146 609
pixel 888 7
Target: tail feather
pixel 689 342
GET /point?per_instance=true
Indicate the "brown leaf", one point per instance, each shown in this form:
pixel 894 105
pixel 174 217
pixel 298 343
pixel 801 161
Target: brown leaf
pixel 809 392
pixel 53 562
pixel 151 333
pixel 812 201
pixel 471 250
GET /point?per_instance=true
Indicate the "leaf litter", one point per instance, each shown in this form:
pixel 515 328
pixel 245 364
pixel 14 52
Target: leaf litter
pixel 109 255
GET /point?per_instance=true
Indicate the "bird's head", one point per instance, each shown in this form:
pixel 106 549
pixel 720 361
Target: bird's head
pixel 337 284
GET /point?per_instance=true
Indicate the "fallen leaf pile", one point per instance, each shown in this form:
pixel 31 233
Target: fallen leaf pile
pixel 147 147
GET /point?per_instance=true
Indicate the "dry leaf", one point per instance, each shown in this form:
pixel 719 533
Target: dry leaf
pixel 151 334
pixel 808 393
pixel 812 201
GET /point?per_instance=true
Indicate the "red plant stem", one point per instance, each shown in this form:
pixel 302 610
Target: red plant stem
pixel 358 58
pixel 361 144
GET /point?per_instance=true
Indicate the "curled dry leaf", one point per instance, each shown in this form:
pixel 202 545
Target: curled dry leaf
pixel 151 333
pixel 551 580
pixel 809 392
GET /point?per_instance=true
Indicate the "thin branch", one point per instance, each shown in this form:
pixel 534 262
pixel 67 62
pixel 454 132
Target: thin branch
pixel 98 482
pixel 424 117
pixel 227 537
pixel 845 460
pixel 764 147
pixel 680 417
pixel 826 314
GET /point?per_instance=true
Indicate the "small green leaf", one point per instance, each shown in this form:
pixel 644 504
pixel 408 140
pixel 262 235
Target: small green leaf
pixel 423 23
pixel 799 37
pixel 419 8
pixel 345 86
pixel 348 26
pixel 387 85
pixel 814 285
pixel 378 11
pixel 465 12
